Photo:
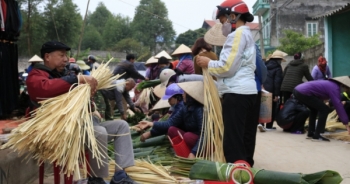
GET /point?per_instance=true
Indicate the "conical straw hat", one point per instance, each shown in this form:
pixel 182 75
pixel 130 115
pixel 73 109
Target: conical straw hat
pixel 161 104
pixel 35 58
pixel 159 90
pixel 214 35
pixel 163 53
pixel 83 65
pixel 182 49
pixel 151 60
pixel 279 55
pixel 345 80
pixel 195 89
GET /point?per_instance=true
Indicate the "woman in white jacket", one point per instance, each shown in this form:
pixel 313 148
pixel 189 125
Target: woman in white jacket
pixel 235 74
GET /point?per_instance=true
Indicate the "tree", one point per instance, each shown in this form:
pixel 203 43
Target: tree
pixel 295 42
pixel 99 17
pixel 189 37
pixel 129 45
pixel 151 25
pixel 92 39
pixel 32 36
pixel 63 22
pixel 116 29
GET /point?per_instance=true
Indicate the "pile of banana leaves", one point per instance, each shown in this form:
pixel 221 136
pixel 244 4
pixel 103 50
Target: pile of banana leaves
pixel 214 171
pixel 147 84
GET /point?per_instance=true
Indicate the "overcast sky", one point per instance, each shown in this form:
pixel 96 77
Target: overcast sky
pixel 185 14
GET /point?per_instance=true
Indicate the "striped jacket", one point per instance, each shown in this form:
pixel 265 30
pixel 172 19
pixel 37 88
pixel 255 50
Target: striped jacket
pixel 235 69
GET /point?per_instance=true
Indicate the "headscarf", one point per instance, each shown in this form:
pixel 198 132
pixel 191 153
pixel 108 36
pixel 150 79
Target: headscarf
pixel 322 64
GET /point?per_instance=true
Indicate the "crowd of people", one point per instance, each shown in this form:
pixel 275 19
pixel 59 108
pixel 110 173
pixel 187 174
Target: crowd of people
pixel 240 74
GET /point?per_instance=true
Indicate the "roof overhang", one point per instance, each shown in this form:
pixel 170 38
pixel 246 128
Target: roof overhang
pixel 340 10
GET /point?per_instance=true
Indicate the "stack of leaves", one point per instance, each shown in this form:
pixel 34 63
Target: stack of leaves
pixel 207 170
pixel 59 128
pixel 147 84
pixel 213 127
pixel 136 118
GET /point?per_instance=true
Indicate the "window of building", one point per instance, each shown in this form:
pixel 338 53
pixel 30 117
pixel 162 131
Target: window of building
pixel 311 28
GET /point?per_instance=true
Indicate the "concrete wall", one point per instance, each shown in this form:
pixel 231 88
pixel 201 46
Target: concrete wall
pixel 311 55
pixel 295 15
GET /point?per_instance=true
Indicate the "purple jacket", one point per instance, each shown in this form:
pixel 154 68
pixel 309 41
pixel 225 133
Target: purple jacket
pixel 317 74
pixel 325 89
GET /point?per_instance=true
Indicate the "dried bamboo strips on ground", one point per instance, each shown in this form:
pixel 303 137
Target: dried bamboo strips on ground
pixel 62 126
pixel 213 127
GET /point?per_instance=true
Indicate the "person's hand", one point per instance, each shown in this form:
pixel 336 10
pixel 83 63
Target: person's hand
pixel 85 79
pixel 124 117
pixel 146 79
pixel 137 110
pixel 343 102
pixel 145 124
pixel 191 156
pixel 275 99
pixel 202 61
pixel 145 136
pixel 348 128
pixel 97 114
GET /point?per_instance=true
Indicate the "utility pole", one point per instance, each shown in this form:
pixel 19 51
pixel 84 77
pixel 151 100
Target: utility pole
pixel 262 46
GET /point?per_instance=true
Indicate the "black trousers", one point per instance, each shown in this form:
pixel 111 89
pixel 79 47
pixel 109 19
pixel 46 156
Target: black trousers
pixel 298 123
pixel 317 107
pixel 250 130
pixel 236 108
pixel 286 96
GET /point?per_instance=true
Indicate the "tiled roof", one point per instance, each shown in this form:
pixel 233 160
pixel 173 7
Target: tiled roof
pixel 332 12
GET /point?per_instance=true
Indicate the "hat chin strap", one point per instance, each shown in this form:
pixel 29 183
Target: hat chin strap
pixel 233 21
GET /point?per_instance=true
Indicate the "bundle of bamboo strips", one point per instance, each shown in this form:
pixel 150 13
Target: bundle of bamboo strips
pixel 145 172
pixel 145 96
pixel 62 126
pixel 213 127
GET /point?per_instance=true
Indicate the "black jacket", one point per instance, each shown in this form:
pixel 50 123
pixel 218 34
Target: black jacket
pixel 129 69
pixel 273 81
pixel 290 109
pixel 293 75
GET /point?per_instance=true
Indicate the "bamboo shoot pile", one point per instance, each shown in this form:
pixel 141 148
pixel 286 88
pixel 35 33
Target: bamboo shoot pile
pixel 213 127
pixel 62 127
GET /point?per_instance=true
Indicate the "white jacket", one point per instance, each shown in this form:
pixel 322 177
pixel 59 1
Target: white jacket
pixel 235 69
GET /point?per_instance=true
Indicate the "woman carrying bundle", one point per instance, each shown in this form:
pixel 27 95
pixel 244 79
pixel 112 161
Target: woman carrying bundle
pixel 235 76
pixel 187 121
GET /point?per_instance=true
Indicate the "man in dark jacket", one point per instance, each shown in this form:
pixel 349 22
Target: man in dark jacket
pixel 293 75
pixel 292 116
pixel 273 82
pixel 128 68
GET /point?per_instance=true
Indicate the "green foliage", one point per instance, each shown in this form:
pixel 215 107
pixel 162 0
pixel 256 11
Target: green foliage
pixel 92 39
pixel 189 37
pixel 130 45
pixel 83 54
pixel 63 22
pixel 295 42
pixel 151 25
pixel 32 34
pixel 116 29
pixel 99 17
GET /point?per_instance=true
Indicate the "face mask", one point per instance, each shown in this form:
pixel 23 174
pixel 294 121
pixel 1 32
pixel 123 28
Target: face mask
pixel 226 29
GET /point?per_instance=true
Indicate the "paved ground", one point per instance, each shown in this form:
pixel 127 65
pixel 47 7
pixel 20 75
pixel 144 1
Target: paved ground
pixel 285 152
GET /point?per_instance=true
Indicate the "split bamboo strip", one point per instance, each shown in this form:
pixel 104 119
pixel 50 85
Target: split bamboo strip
pixel 145 96
pixel 213 127
pixel 62 126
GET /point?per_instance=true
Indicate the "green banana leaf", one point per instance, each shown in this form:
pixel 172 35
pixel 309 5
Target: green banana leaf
pixel 323 177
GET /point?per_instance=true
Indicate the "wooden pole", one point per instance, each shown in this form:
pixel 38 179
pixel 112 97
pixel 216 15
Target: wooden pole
pixel 82 29
pixel 262 46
